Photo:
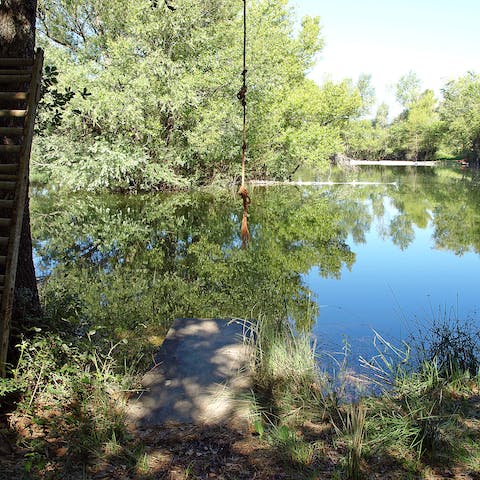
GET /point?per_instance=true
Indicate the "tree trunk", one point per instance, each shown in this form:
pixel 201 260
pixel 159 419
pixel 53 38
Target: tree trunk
pixel 17 39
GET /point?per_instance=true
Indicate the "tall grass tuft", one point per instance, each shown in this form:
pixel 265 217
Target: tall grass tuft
pixel 410 413
pixel 351 428
pixel 284 368
pixel 293 448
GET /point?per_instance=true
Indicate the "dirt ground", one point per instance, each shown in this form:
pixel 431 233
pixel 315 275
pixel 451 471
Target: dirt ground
pixel 181 452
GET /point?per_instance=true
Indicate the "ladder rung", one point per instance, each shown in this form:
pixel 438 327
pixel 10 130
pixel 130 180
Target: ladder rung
pixel 5 222
pixel 3 260
pixel 16 62
pixel 6 203
pixel 5 177
pixel 10 148
pixel 13 95
pixel 8 168
pixel 13 113
pixel 15 78
pixel 11 131
pixel 11 71
pixel 7 185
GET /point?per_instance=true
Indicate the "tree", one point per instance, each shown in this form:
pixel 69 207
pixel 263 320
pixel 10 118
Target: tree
pixel 310 121
pixel 17 39
pixel 421 127
pixel 381 117
pixel 415 133
pixel 162 109
pixel 367 92
pixel 460 113
pixel 408 89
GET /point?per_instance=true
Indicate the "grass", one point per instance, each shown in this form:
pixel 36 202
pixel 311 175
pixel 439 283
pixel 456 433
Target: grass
pixel 70 402
pixel 352 430
pixel 292 447
pixel 285 370
pixel 423 423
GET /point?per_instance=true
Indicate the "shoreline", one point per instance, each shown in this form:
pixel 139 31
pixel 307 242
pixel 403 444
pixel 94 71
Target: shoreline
pixel 396 163
pixel 268 183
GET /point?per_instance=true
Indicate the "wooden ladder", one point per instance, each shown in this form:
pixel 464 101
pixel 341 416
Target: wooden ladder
pixel 20 80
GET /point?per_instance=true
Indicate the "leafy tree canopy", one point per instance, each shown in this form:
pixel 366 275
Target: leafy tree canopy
pixel 154 101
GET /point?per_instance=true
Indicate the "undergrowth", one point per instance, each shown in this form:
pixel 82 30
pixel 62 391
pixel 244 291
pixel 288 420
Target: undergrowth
pixel 69 404
pixel 69 391
pixel 418 416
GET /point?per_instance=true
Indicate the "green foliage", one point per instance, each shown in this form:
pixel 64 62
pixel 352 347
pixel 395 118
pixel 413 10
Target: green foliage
pixel 138 97
pixel 362 140
pixel 415 134
pixel 459 112
pixel 422 128
pixel 156 104
pixel 73 390
pixel 366 91
pixel 306 126
pixel 427 128
pixel 408 89
pixel 52 102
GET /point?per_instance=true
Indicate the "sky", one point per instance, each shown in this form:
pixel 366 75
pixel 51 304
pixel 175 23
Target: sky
pixel 437 39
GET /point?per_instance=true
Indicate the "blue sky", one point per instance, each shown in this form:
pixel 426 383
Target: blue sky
pixel 439 40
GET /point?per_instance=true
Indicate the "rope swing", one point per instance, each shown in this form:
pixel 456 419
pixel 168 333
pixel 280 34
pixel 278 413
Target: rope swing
pixel 242 96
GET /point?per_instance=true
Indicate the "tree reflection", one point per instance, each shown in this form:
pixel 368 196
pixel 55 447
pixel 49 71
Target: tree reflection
pixel 133 264
pixel 444 199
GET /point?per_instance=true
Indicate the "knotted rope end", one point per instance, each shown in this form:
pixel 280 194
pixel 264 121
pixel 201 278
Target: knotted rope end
pixel 244 231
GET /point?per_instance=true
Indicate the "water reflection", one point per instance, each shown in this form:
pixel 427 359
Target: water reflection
pixel 416 260
pixel 133 264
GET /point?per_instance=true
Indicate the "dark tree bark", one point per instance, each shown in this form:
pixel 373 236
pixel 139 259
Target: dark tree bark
pixel 17 39
pixel 17 28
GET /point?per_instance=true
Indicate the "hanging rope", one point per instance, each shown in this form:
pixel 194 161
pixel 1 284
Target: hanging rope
pixel 242 96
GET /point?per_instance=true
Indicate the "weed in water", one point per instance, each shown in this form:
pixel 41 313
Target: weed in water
pixel 453 343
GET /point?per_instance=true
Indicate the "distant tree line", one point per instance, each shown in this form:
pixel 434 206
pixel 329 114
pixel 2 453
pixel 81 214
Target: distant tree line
pixel 428 128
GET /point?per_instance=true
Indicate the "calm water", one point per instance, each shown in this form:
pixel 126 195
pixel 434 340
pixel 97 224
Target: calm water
pixel 393 288
pixel 339 260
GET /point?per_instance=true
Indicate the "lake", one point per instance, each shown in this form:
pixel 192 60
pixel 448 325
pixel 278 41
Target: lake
pixel 339 261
